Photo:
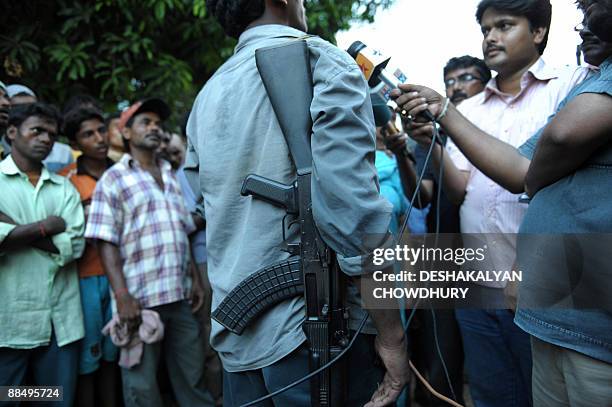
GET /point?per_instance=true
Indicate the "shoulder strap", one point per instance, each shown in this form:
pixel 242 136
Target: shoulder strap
pixel 285 72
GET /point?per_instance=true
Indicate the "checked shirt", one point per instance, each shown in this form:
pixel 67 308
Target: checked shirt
pixel 150 227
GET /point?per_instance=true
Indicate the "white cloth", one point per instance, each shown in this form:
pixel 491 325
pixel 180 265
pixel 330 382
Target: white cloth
pixel 151 330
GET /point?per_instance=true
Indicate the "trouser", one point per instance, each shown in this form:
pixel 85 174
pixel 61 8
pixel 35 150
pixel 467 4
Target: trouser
pixel 497 358
pixel 48 366
pixel 563 377
pixel 364 373
pixel 242 387
pixel 427 359
pixel 183 348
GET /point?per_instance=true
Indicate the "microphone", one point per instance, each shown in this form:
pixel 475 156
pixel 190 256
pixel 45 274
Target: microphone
pixel 383 118
pixel 382 112
pixel 373 65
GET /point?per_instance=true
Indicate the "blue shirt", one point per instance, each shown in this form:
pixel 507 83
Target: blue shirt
pixel 391 188
pixel 554 233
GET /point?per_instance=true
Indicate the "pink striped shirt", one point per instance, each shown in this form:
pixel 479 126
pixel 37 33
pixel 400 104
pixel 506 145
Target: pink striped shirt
pixel 489 208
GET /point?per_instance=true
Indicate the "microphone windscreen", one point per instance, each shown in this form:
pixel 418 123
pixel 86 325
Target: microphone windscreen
pixel 382 113
pixel 355 48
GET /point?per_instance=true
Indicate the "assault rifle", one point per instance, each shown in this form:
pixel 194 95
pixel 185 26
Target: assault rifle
pixel 312 269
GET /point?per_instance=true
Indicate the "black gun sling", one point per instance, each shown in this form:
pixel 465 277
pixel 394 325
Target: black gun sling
pixel 312 271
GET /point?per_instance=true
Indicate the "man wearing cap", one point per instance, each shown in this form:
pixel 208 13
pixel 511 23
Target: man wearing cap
pixel 61 154
pixel 20 94
pixel 141 225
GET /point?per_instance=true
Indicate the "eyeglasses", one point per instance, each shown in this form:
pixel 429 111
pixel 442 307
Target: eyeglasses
pixel 465 78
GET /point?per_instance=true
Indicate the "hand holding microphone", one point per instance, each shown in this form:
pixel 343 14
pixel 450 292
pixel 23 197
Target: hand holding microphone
pixel 415 99
pixel 394 139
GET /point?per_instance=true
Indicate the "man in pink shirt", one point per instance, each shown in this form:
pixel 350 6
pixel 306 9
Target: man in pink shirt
pixel 481 163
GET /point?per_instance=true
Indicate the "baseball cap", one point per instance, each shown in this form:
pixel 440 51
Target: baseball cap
pixel 17 89
pixel 154 105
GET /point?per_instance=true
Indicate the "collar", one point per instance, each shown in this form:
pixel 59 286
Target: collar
pixel 129 161
pixel 539 71
pixel 607 64
pixel 80 168
pixel 257 33
pixel 8 167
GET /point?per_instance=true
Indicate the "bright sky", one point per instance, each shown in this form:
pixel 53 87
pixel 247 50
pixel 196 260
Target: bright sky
pixel 420 36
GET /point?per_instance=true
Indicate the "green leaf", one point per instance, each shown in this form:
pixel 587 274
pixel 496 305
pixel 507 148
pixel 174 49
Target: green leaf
pixel 160 10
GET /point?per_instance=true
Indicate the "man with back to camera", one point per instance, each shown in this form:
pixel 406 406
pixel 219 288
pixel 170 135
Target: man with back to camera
pixel 486 130
pixel 243 233
pixel 464 77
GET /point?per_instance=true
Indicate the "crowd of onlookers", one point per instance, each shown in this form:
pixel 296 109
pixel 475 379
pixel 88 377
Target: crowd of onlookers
pixel 104 287
pixel 73 213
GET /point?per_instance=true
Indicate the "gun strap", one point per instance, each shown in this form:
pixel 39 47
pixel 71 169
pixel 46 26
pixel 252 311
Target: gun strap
pixel 294 70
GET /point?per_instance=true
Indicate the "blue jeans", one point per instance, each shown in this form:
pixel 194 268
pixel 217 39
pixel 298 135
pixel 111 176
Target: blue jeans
pixel 497 358
pixel 364 374
pixel 241 387
pixel 49 366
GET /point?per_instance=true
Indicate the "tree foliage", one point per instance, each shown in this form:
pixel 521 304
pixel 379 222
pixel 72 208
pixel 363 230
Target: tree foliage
pixel 121 50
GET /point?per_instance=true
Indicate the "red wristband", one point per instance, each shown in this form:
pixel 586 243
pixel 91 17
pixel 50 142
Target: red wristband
pixel 41 227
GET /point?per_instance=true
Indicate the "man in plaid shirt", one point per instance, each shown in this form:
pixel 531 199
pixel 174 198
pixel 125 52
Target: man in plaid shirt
pixel 141 225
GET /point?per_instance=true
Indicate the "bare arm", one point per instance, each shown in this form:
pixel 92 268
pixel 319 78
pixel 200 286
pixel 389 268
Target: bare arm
pixel 33 234
pixel 197 295
pixel 409 179
pixel 408 175
pixel 127 306
pixel 390 344
pixel 454 180
pixel 496 159
pixel 569 139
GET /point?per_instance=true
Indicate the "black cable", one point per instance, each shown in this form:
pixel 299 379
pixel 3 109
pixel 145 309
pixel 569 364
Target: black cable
pixel 418 185
pixel 365 318
pixel 435 331
pixel 315 372
pixel 436 135
pixel 439 192
pixel 416 191
pixel 433 313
